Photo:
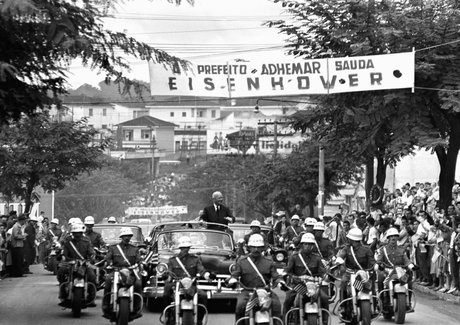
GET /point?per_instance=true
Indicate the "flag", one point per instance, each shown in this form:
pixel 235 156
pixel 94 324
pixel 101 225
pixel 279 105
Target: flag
pixel 359 283
pixel 253 301
pixel 301 289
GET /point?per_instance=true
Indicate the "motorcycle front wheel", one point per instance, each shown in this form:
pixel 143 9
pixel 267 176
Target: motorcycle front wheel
pixel 76 302
pixel 187 317
pixel 123 312
pixel 400 306
pixel 365 308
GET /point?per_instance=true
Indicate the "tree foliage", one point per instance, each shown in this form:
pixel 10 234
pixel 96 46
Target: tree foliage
pixel 36 151
pixel 40 38
pixel 384 124
pixel 101 193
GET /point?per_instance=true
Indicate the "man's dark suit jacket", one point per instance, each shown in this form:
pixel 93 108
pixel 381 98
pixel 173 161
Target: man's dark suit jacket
pixel 211 215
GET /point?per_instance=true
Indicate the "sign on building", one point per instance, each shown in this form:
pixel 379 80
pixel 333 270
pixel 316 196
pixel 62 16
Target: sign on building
pixel 233 79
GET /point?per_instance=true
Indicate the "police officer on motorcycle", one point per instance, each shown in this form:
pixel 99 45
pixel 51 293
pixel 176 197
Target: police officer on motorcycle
pixel 293 231
pixel 120 255
pixel 392 255
pixel 306 263
pixel 356 257
pixel 255 271
pixel 183 265
pixel 324 245
pixel 94 237
pixel 77 247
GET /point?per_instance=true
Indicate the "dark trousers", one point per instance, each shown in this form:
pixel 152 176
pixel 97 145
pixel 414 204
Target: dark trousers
pixel 424 263
pixel 324 301
pixel 17 257
pixel 168 298
pixel 108 288
pixel 454 267
pixel 243 298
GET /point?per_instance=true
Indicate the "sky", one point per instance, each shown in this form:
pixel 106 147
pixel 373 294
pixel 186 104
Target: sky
pixel 217 29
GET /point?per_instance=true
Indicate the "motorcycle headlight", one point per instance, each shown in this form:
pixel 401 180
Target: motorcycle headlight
pixel 186 283
pixel 161 268
pixel 124 274
pixel 311 288
pixel 363 274
pixel 279 257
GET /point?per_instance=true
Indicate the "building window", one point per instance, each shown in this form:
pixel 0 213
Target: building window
pixel 90 112
pixel 104 112
pixel 171 114
pixel 145 134
pixel 193 112
pixel 184 114
pixel 213 113
pixel 104 126
pixel 128 135
pixel 200 113
pixel 137 114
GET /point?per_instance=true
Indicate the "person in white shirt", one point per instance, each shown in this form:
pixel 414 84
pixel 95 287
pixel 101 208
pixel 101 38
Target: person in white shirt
pixel 373 234
pixel 421 249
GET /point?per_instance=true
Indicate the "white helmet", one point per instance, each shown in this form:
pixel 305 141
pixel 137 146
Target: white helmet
pixel 310 222
pixel 55 221
pixel 77 220
pixel 308 238
pixel 255 223
pixel 256 240
pixel 355 234
pixel 184 242
pixel 319 226
pixel 392 232
pixel 295 217
pixel 126 231
pixel 112 219
pixel 77 227
pixel 89 220
pixel 33 218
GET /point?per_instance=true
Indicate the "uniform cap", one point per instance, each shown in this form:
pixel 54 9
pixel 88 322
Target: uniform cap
pixel 33 218
pixel 77 227
pixel 319 226
pixel 89 220
pixel 392 232
pixel 184 242
pixel 310 221
pixel 308 238
pixel 55 221
pixel 112 219
pixel 126 231
pixel 295 217
pixel 281 213
pixel 355 234
pixel 255 223
pixel 256 240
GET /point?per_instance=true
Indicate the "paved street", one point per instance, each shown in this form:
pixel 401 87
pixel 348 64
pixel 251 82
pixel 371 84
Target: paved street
pixel 33 300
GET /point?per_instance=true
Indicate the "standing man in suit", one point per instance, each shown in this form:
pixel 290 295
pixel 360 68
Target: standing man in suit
pixel 217 212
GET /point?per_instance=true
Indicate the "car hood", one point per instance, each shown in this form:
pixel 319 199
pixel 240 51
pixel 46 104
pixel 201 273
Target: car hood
pixel 218 264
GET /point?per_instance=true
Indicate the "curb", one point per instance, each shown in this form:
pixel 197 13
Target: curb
pixel 440 295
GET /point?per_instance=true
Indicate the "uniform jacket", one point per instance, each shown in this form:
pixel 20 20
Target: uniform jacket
pixel 249 277
pixel 292 232
pixel 95 238
pixel 83 246
pixel 396 256
pixel 313 261
pixel 115 258
pixel 326 248
pixel 191 262
pixel 363 254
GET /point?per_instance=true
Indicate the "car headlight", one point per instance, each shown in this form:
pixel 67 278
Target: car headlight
pixel 186 283
pixel 161 268
pixel 279 257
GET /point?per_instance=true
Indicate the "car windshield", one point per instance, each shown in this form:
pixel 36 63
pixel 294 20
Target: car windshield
pixel 201 241
pixel 240 232
pixel 111 235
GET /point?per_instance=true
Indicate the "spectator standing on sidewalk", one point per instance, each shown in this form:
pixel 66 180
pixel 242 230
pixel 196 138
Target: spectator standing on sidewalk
pixel 30 244
pixel 17 246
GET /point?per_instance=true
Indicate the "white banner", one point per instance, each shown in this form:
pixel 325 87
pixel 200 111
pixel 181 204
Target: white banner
pixel 290 77
pixel 156 211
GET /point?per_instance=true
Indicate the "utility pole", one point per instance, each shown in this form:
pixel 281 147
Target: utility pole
pixel 321 186
pixel 275 139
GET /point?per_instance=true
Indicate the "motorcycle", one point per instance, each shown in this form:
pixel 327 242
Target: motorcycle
pixel 395 295
pixel 99 267
pixel 122 294
pixel 76 288
pixel 308 300
pixel 365 307
pixel 259 307
pixel 52 260
pixel 185 305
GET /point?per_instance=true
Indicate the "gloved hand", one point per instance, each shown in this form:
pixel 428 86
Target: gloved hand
pixel 415 268
pixel 232 283
pixel 283 286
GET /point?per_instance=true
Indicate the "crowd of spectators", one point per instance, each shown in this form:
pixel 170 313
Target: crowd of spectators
pixel 430 235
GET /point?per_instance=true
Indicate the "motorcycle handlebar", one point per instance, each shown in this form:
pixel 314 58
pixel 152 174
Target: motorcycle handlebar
pixel 117 268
